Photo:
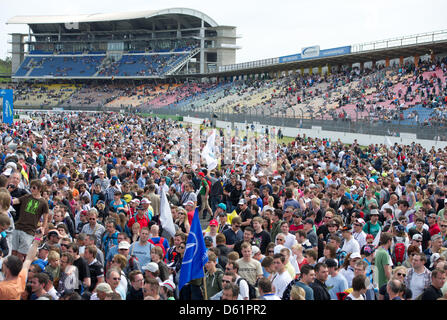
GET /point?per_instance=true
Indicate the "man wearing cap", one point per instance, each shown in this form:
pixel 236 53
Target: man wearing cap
pixel 350 244
pixel 373 226
pixel 167 290
pixel 102 291
pixel 358 232
pixel 151 271
pixel 141 217
pixel 244 213
pixel 213 231
pixel 190 209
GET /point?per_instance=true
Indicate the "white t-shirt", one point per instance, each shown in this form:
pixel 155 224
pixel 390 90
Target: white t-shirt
pixel 351 246
pixel 417 284
pixel 360 237
pixel 280 282
pixel 243 288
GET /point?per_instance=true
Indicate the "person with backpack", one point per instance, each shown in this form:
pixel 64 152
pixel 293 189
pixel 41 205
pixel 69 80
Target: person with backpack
pixel 159 241
pixel 373 226
pixel 246 290
pixel 141 217
pixel 399 246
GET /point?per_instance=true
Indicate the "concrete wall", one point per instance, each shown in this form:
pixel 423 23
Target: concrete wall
pixel 317 132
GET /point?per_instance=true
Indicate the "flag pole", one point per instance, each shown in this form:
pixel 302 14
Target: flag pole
pixel 204 284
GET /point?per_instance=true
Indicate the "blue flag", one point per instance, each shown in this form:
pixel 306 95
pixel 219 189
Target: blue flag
pixel 8 109
pixel 195 255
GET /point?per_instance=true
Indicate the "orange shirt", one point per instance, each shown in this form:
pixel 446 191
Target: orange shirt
pixel 13 289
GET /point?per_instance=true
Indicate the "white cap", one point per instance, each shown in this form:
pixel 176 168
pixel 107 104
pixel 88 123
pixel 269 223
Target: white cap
pixel 255 250
pixel 151 267
pixel 355 255
pixel 123 245
pixel 168 284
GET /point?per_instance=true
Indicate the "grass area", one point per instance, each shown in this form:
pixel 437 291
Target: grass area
pixel 5 68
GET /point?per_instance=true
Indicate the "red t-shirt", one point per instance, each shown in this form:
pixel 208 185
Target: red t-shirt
pixel 190 216
pixel 144 221
pixel 294 228
pixel 434 229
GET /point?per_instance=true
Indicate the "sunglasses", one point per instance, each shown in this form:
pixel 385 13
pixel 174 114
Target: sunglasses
pixel 401 274
pixel 226 281
pixel 116 279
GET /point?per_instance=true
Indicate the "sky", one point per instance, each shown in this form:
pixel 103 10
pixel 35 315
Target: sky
pixel 268 29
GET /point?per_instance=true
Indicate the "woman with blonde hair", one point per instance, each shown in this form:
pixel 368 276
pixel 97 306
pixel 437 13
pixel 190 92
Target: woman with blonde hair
pixel 297 293
pixel 399 273
pixel 297 251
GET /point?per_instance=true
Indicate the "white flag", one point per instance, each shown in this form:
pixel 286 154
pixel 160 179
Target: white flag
pixel 388 142
pixel 165 214
pixel 208 152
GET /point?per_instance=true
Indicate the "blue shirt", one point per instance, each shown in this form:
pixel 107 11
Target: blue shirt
pixel 336 284
pixel 143 253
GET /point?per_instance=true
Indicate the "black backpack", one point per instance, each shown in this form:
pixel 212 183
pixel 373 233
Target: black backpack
pixel 251 289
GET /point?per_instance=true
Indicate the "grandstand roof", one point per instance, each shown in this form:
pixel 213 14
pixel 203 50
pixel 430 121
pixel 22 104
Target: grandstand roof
pixel 190 17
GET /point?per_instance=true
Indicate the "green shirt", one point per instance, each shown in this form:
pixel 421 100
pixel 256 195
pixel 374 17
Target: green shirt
pixel 382 259
pixel 373 229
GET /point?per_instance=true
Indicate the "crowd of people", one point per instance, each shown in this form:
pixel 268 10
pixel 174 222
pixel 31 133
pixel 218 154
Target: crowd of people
pixel 80 216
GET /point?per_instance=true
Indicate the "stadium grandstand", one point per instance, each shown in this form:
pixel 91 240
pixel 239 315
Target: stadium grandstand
pixel 181 62
pixel 141 44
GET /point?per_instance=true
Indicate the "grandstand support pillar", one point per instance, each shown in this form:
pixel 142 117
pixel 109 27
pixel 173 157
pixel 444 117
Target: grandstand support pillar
pixel 320 70
pixel 432 56
pixel 302 71
pixel 362 66
pixel 202 47
pixel 328 69
pixel 310 70
pixel 416 60
pixel 373 64
pixel 401 61
pixel 387 62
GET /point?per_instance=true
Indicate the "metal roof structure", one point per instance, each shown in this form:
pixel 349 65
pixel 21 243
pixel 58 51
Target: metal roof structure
pixel 188 18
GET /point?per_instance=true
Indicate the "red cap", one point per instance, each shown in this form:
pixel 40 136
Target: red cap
pixel 201 174
pixel 214 223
